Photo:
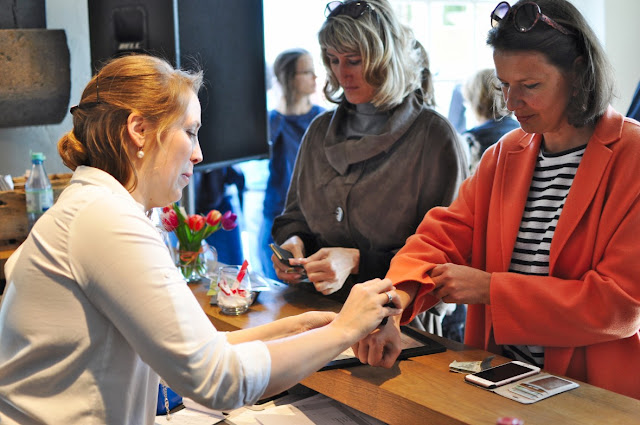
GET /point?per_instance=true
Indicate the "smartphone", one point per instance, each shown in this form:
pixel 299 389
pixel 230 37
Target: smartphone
pixel 503 374
pixel 283 256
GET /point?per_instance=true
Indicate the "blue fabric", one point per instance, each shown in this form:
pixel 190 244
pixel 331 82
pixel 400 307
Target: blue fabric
pixel 490 132
pixel 228 244
pixel 265 238
pixel 457 110
pixel 174 400
pixel 210 194
pixel 634 109
pixel 285 133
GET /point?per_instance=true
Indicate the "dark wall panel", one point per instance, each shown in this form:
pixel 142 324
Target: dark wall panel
pixel 224 37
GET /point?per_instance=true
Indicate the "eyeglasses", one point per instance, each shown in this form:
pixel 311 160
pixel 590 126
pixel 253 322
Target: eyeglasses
pixel 352 8
pixel 525 17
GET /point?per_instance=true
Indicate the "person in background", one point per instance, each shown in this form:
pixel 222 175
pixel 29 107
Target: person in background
pixel 634 107
pixel 482 92
pixel 457 114
pixel 368 171
pixel 546 228
pixel 95 311
pixel 288 122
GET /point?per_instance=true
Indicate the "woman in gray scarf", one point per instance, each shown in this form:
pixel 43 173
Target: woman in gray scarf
pixel 369 170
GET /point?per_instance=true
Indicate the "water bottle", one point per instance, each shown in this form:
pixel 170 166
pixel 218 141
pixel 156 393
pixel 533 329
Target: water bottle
pixel 37 189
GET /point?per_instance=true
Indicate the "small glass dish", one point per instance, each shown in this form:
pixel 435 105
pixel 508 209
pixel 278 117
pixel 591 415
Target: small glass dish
pixel 233 297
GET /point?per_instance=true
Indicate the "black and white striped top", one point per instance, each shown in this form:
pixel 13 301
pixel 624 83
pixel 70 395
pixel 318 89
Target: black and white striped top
pixel 552 179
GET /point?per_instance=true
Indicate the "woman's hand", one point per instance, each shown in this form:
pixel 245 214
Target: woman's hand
pixel 364 308
pixel 329 268
pixel 461 284
pixel 286 273
pixel 381 347
pixel 314 319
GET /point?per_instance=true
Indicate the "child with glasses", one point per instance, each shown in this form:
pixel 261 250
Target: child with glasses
pixel 541 241
pixel 369 170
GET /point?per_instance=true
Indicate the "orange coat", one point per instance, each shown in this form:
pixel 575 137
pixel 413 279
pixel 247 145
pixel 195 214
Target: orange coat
pixel 587 312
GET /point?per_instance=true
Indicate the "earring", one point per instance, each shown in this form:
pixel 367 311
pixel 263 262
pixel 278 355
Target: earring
pixel 140 154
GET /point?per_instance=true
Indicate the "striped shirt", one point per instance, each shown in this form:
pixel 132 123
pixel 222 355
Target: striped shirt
pixel 552 179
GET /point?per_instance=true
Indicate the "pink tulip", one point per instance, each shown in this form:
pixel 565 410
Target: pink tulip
pixel 169 220
pixel 195 222
pixel 213 218
pixel 167 209
pixel 229 221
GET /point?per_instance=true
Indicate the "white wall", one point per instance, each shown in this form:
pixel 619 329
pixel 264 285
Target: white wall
pixel 17 143
pixel 614 21
pixel 615 24
pixel 622 34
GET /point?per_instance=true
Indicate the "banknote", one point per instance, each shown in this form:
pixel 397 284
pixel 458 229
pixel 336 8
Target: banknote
pixel 470 367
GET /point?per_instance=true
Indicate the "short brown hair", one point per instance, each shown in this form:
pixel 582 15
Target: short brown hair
pixel 144 84
pixel 594 81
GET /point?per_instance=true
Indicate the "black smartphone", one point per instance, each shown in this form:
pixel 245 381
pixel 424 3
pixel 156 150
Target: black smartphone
pixel 283 256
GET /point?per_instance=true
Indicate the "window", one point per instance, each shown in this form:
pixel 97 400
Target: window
pixel 454 35
pixel 452 32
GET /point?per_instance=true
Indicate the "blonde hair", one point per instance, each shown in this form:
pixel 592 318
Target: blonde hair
pixel 144 84
pixel 483 92
pixel 391 60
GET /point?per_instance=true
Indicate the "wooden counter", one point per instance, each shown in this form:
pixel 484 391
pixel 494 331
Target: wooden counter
pixel 421 390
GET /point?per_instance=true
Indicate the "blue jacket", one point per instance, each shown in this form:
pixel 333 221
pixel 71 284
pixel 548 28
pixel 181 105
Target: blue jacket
pixel 285 135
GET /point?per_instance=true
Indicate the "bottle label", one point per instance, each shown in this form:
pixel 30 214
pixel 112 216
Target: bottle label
pixel 39 200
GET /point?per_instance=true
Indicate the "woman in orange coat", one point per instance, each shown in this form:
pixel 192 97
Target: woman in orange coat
pixel 542 240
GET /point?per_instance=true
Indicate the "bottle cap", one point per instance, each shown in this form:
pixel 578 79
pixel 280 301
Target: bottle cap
pixel 38 156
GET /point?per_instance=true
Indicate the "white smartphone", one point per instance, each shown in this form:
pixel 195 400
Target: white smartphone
pixel 503 374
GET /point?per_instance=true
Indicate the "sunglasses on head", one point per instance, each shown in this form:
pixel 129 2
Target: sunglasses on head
pixel 525 17
pixel 352 8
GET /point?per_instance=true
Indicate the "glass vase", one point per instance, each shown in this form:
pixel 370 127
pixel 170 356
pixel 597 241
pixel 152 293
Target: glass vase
pixel 194 265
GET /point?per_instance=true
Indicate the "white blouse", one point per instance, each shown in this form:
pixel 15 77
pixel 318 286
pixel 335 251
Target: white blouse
pixel 94 310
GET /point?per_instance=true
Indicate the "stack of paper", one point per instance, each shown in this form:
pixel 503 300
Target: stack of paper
pixel 316 409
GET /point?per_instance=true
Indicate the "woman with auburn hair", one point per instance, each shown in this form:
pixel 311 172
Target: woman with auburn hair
pixel 95 311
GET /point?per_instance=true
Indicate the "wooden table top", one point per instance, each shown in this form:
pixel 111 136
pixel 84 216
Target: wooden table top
pixel 421 390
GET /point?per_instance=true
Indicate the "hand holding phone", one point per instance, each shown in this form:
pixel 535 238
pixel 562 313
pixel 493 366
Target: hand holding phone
pixel 503 374
pixel 283 256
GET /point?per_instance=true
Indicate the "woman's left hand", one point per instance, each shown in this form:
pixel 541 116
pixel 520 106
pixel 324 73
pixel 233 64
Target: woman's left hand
pixel 314 319
pixel 329 268
pixel 461 284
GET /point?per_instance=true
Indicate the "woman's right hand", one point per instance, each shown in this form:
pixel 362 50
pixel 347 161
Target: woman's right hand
pixel 287 273
pixel 365 308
